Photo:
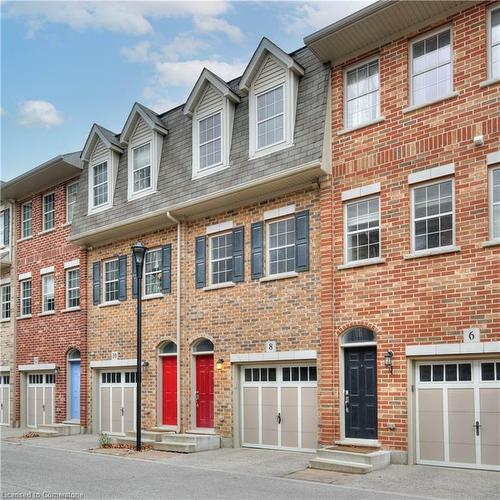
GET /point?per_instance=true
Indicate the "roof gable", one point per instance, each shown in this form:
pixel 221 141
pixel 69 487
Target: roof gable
pixel 151 119
pixel 107 137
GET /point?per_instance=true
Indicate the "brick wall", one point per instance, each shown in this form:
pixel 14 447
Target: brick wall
pixel 424 300
pixel 50 338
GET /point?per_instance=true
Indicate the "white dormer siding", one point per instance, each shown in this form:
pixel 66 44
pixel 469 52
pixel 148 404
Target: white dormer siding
pixel 271 75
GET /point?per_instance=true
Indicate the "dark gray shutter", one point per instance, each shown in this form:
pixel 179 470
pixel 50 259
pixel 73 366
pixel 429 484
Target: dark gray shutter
pixel 96 282
pixel 302 241
pixel 122 277
pixel 200 271
pixel 257 236
pixel 134 277
pixel 6 226
pixel 238 255
pixel 166 268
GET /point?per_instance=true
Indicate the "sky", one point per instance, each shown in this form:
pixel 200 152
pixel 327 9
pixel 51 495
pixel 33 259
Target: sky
pixel 66 65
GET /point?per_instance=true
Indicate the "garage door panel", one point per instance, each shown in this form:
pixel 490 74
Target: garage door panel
pixel 489 400
pixel 105 409
pixel 431 429
pixel 290 417
pixel 309 418
pixel 129 417
pixel 461 425
pixel 32 406
pixel 269 416
pixel 39 406
pixel 251 415
pixel 49 405
pixel 116 406
pixel 5 405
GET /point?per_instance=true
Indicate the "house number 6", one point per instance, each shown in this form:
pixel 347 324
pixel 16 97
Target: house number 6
pixel 471 335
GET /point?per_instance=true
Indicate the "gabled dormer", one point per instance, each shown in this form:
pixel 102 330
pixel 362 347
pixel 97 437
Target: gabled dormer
pixel 211 106
pixel 143 134
pixel 101 152
pixel 271 80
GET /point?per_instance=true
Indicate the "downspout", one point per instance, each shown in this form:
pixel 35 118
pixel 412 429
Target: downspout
pixel 178 318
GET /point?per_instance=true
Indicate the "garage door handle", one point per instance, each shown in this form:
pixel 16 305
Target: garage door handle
pixel 121 409
pixel 477 426
pixel 278 418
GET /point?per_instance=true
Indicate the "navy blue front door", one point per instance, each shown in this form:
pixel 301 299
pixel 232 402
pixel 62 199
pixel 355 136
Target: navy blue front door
pixel 360 392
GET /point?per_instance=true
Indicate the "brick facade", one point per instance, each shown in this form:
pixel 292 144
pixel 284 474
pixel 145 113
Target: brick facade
pixel 50 338
pixel 426 300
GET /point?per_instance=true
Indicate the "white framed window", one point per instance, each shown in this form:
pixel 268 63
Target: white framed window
pixel 281 246
pixel 362 229
pixel 433 215
pixel 73 288
pixel 431 67
pixel 270 114
pixel 6 301
pixel 49 211
pixel 362 93
pixel 48 296
pixel 25 302
pixel 152 272
pixel 221 258
pixel 27 219
pixel 495 203
pixel 494 43
pixel 210 141
pixel 100 184
pixel 71 194
pixel 111 276
pixel 141 168
pixel 4 227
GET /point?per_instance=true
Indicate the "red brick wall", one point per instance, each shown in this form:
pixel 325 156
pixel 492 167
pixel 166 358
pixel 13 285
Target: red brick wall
pixel 51 337
pixel 424 300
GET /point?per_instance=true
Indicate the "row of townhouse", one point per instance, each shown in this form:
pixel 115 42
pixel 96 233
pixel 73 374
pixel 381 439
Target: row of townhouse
pixel 322 260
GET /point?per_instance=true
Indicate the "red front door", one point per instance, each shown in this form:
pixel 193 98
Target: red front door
pixel 205 390
pixel 169 390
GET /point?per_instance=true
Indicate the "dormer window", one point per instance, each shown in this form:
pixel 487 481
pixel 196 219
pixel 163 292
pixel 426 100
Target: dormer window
pixel 100 184
pixel 270 118
pixel 142 167
pixel 210 138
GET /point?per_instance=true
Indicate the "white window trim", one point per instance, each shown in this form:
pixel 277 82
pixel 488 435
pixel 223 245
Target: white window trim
pixel 284 114
pixel 44 279
pixel 68 307
pixel 435 250
pixel 44 229
pixel 491 78
pixel 71 184
pixel 267 251
pixel 490 202
pixel 221 162
pixel 369 260
pixel 6 302
pixel 22 298
pixel 379 112
pixel 142 192
pixel 98 208
pixel 112 301
pixel 25 220
pixel 452 92
pixel 155 294
pixel 210 276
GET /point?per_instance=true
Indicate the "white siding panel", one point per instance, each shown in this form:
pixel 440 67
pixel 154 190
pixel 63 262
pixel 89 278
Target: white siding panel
pixel 271 75
pixel 100 153
pixel 141 134
pixel 210 102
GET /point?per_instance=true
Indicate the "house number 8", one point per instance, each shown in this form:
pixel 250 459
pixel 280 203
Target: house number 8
pixel 271 346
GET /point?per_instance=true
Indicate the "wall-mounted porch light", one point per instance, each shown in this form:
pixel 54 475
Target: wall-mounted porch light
pixel 388 359
pixel 219 364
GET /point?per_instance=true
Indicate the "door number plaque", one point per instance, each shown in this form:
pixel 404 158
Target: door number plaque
pixel 471 335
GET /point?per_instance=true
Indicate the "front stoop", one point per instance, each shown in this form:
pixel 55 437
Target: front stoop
pixel 333 459
pixel 55 430
pixel 169 441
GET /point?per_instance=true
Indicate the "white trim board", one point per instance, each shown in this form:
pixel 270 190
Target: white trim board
pixel 5 368
pixel 113 363
pixel 72 263
pixel 442 349
pixel 47 270
pixel 279 212
pixel 431 173
pixel 492 158
pixel 273 356
pixel 351 194
pixel 24 276
pixel 36 368
pixel 218 228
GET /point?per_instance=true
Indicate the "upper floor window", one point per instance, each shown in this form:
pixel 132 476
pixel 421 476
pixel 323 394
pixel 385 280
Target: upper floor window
pixel 495 43
pixel 27 219
pixel 362 94
pixel 362 229
pixel 100 184
pixel 48 303
pixel 141 167
pixel 431 67
pixel 281 246
pixel 73 288
pixel 6 302
pixel 25 302
pixel 71 193
pixel 152 272
pixel 221 258
pixel 495 202
pixel 111 276
pixel 270 118
pixel 4 227
pixel 210 141
pixel 433 217
pixel 49 211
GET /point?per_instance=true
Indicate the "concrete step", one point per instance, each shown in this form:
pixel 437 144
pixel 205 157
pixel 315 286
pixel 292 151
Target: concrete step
pixel 154 435
pixel 62 429
pixel 131 440
pixel 340 466
pixel 177 446
pixel 44 432
pixel 202 442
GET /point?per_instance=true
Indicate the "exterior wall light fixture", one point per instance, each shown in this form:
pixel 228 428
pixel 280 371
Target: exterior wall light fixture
pixel 219 364
pixel 388 359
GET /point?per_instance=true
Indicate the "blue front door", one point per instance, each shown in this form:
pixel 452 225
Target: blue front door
pixel 75 390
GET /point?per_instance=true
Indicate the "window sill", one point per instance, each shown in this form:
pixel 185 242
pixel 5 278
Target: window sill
pixel 110 303
pixel 218 286
pixel 140 194
pixel 362 263
pixel 71 309
pixel 66 224
pixel 275 277
pixel 5 320
pixel 25 239
pixel 275 148
pixel 490 243
pixel 362 125
pixel 490 81
pixel 27 316
pixel 429 253
pixel 409 109
pixel 153 296
pixel 46 231
pixel 47 313
pixel 99 209
pixel 199 174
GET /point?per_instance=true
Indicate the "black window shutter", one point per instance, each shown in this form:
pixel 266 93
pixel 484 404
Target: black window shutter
pixel 200 271
pixel 302 241
pixel 96 282
pixel 6 228
pixel 122 277
pixel 257 236
pixel 134 277
pixel 166 268
pixel 238 255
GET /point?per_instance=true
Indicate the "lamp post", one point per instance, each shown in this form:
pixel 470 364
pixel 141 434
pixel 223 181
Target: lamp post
pixel 139 250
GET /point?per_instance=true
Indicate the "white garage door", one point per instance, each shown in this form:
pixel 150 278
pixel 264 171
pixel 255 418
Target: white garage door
pixel 279 408
pixel 117 402
pixel 4 399
pixel 458 413
pixel 40 403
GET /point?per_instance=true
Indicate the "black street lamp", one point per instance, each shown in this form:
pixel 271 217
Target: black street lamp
pixel 139 251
